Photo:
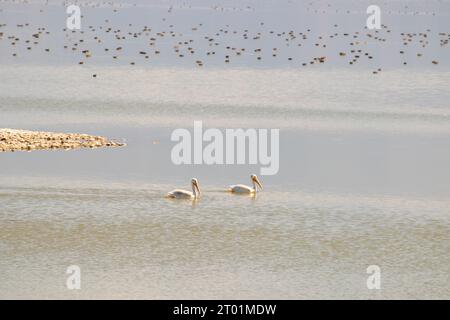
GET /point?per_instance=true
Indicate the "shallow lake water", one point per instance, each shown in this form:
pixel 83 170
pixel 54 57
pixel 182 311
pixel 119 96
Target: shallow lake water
pixel 363 177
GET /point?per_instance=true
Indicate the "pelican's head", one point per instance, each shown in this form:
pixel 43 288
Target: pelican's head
pixel 256 180
pixel 195 184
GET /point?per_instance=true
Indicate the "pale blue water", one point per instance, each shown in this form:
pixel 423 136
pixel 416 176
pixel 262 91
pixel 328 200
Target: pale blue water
pixel 363 177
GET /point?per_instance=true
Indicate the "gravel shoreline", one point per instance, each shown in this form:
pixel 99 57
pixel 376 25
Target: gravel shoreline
pixel 21 140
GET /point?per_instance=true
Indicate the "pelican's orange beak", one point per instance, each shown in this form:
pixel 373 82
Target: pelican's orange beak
pixel 258 182
pixel 197 187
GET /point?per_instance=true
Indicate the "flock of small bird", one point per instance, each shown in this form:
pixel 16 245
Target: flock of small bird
pixel 200 44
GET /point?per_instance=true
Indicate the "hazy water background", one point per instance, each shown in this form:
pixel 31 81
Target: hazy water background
pixel 363 177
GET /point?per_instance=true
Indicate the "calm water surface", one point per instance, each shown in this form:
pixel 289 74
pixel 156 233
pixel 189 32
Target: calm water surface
pixel 364 177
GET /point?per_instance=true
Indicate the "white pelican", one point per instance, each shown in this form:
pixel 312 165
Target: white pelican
pixel 241 188
pixel 184 194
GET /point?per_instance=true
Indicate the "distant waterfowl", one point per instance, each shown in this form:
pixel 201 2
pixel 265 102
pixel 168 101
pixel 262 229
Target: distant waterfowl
pixel 184 194
pixel 243 189
pixel 199 50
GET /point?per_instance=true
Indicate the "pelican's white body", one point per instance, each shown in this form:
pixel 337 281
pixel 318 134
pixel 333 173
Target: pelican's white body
pixel 242 188
pixel 181 194
pixel 184 194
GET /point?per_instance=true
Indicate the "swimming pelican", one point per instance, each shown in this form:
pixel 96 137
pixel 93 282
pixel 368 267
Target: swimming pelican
pixel 184 194
pixel 241 188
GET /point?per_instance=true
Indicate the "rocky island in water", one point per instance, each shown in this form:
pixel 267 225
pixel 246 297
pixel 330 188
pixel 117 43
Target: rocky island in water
pixel 21 140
